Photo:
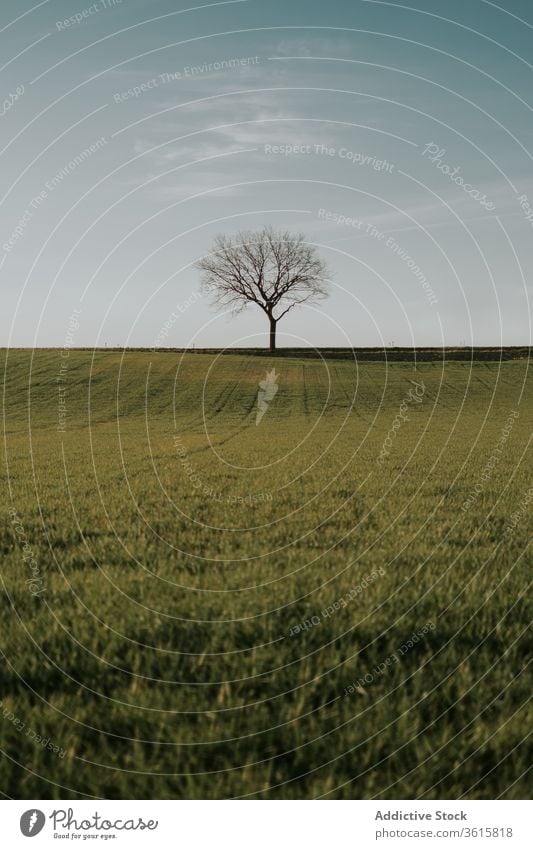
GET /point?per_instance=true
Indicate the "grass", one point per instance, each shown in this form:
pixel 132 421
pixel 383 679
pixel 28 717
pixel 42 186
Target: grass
pixel 220 609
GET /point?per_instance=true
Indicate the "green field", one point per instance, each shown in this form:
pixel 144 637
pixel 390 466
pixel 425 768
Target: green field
pixel 223 609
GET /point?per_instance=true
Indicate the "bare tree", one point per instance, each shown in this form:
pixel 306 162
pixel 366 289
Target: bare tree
pixel 275 270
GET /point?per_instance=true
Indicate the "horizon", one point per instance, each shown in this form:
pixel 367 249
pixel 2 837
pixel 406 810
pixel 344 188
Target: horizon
pixel 264 349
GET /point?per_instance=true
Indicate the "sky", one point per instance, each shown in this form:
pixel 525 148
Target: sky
pixel 397 137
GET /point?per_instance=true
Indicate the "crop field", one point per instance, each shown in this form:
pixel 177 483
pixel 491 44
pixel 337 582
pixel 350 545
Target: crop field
pixel 223 581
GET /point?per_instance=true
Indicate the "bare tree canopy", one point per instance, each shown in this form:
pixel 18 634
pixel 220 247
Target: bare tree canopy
pixel 275 270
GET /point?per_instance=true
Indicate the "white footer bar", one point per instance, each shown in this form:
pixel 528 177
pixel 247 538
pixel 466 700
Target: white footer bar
pixel 267 825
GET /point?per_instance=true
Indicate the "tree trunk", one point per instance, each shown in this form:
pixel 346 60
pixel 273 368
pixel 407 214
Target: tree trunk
pixel 272 334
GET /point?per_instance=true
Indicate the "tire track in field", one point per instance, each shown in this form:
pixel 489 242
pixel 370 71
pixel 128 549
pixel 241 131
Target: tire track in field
pixel 305 398
pixel 215 407
pixel 219 404
pixel 340 383
pixel 225 396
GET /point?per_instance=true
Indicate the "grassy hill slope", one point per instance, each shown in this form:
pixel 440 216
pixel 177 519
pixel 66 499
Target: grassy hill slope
pixel 206 590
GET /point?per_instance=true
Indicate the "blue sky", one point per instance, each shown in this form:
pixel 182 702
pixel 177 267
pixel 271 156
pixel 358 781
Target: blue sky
pixel 414 121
